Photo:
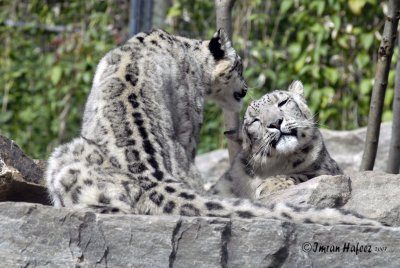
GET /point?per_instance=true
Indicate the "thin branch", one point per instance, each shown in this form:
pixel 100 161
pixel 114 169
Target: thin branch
pixel 231 119
pixel 381 79
pixel 393 164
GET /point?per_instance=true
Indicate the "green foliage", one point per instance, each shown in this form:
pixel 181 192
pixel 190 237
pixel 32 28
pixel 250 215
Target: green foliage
pixel 191 18
pixel 46 73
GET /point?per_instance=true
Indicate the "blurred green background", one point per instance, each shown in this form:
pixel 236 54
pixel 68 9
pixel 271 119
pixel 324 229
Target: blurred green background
pixel 49 51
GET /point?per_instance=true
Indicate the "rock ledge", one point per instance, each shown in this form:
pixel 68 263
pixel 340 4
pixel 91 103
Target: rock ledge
pixel 41 236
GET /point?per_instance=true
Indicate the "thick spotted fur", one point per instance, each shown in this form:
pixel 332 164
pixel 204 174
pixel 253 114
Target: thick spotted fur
pixel 281 146
pixel 140 128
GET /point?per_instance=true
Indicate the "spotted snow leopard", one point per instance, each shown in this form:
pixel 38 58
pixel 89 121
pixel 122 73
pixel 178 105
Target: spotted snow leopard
pixel 140 129
pixel 281 146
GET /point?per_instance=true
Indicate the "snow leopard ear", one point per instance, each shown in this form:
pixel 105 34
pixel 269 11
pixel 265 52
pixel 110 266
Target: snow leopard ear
pixel 220 46
pixel 297 87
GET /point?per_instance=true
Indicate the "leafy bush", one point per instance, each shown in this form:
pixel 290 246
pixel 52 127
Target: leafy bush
pixel 46 70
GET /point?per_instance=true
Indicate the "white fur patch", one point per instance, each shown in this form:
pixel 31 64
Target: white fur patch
pixel 287 144
pixel 99 71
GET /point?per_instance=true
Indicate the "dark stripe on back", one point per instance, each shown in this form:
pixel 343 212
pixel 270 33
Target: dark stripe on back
pixel 169 207
pixel 189 210
pixel 187 196
pixel 157 198
pixel 213 206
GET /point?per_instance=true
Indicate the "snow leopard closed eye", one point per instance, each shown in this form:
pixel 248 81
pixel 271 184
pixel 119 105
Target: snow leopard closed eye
pixel 281 146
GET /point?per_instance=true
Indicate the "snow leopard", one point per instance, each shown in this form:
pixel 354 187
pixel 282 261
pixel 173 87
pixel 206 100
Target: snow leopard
pixel 281 146
pixel 140 128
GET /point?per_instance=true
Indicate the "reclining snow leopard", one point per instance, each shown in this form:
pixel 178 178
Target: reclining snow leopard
pixel 140 128
pixel 281 146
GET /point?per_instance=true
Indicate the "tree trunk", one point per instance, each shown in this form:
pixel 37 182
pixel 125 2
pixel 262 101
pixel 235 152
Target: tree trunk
pixel 231 119
pixel 140 16
pixel 381 78
pixel 393 164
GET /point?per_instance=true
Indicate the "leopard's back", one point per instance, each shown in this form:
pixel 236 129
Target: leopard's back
pixel 141 123
pixel 149 100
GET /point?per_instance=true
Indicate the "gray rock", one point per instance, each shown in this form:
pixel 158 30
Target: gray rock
pixel 39 236
pixel 21 178
pixel 376 195
pixel 346 147
pixel 370 193
pixel 14 157
pixel 323 191
pixel 212 165
pixel 14 187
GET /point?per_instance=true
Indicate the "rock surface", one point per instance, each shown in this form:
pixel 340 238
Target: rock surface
pixel 346 147
pixel 39 236
pixel 14 157
pixel 370 193
pixel 13 187
pixel 21 178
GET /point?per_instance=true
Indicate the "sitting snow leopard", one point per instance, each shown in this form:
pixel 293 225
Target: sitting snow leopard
pixel 281 146
pixel 140 128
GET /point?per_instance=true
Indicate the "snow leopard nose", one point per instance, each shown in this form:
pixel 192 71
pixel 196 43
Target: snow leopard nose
pixel 238 96
pixel 277 124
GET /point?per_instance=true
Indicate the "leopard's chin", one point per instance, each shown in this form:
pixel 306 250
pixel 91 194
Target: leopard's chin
pixel 286 143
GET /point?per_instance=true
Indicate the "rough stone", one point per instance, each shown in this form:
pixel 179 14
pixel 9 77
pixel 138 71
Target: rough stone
pixel 347 147
pixel 323 191
pixel 41 236
pixel 21 178
pixel 376 195
pixel 212 165
pixel 14 157
pixel 370 193
pixel 13 187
